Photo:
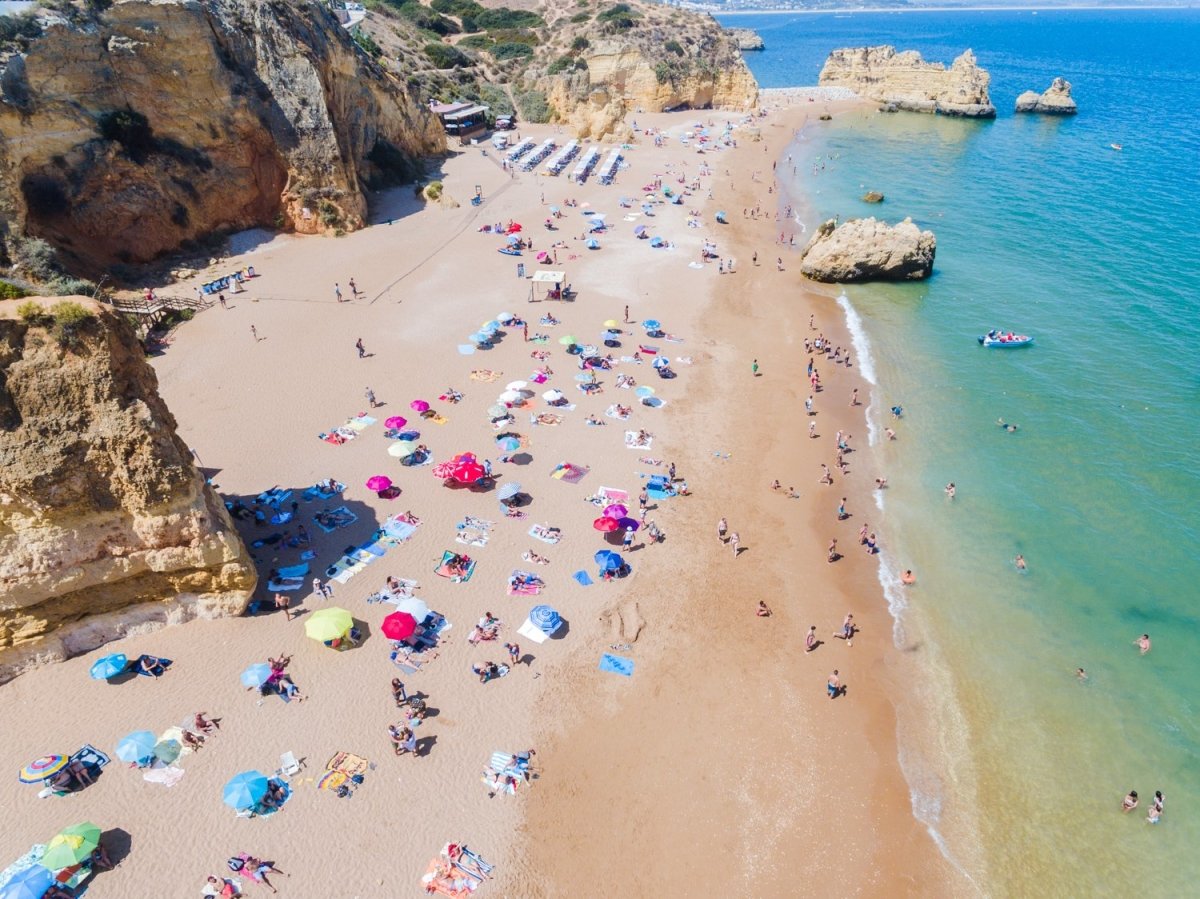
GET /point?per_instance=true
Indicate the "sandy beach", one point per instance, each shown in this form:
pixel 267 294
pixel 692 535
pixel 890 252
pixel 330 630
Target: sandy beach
pixel 721 765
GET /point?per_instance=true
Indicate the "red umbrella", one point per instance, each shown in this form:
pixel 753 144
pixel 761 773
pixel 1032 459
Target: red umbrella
pixel 443 470
pixel 419 405
pixel 395 422
pixel 468 472
pixel 379 482
pixel 398 626
pixel 605 524
pixel 514 228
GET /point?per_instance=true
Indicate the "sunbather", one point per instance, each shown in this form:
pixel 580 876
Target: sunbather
pixel 151 666
pixel 258 870
pixel 191 740
pixel 206 725
pixel 531 556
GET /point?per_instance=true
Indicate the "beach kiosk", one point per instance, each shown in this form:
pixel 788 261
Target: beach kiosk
pixel 547 285
pixel 461 120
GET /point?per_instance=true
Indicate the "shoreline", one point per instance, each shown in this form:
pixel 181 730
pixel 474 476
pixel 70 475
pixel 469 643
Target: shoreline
pixel 849 11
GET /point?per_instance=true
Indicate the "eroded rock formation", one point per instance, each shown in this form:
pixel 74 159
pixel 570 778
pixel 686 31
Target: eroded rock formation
pixel 106 526
pixel 746 38
pixel 905 81
pixel 162 121
pixel 869 250
pixel 1055 100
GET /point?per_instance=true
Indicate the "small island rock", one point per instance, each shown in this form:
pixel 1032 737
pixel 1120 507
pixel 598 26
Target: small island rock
pixel 746 38
pixel 1056 100
pixel 869 250
pixel 872 196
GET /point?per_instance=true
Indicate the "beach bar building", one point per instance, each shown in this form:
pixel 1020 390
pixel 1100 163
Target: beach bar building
pixel 461 120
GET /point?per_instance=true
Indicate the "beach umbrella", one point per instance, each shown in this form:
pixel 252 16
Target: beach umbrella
pixel 167 751
pixel 652 324
pixel 398 626
pixel 661 362
pixel 245 790
pixel 554 210
pixel 379 482
pixel 468 472
pixel 491 326
pixel 39 769
pixel 508 443
pixel 609 335
pixel 419 406
pixel 136 746
pixel 71 846
pixel 545 619
pixel 255 676
pixel 395 423
pixel 517 385
pixel 31 883
pixel 605 524
pixel 511 396
pixel 644 392
pixel 514 227
pixel 513 241
pixel 442 470
pixel 613 325
pixel 592 244
pixel 589 351
pixel 413 606
pixel 628 524
pixel 463 457
pixel 639 231
pixel 608 560
pixel 479 337
pixel 402 449
pixel 509 490
pixel 553 395
pixel 109 666
pixel 328 624
pixel 505 317
pixel 616 510
pixel 656 242
pixel 567 340
pixel 497 411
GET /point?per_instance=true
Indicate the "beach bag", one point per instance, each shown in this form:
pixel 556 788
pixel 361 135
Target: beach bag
pixel 236 864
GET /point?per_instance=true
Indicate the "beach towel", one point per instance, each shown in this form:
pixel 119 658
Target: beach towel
pixel 318 492
pixel 549 419
pixel 613 494
pixel 397 530
pixel 285 584
pixel 360 421
pixel 442 570
pixel 348 763
pixel 281 518
pixel 466 349
pixel 375 548
pixel 167 776
pixel 572 474
pixel 485 374
pixel 545 533
pixel 344 569
pixel 616 664
pixel 532 587
pixel 583 578
pixel 531 631
pixel 335 518
pixel 633 440
pixel 273 497
pixel 472 537
pixel 91 757
pixel 434 881
pixel 293 571
pixel 611 412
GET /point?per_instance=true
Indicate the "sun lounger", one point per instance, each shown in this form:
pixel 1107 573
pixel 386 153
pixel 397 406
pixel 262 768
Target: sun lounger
pixel 288 765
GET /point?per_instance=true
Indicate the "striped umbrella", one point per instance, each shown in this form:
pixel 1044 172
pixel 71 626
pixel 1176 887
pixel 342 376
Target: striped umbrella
pixel 508 443
pixel 39 769
pixel 545 619
pixel 509 490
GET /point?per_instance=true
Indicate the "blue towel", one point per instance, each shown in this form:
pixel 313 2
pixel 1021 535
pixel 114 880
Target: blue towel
pixel 293 571
pixel 616 664
pixel 583 578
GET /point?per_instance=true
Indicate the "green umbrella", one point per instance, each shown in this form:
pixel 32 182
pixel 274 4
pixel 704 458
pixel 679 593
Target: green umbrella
pixel 167 750
pixel 498 410
pixel 567 340
pixel 71 846
pixel 328 624
pixel 402 449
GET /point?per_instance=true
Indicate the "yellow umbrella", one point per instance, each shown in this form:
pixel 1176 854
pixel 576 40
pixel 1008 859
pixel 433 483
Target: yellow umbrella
pixel 612 323
pixel 328 624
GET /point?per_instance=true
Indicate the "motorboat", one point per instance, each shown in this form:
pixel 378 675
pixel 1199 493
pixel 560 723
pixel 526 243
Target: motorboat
pixel 997 338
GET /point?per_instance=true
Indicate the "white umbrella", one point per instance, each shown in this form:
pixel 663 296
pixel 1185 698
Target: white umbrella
pixel 505 317
pixel 413 606
pixel 552 395
pixel 517 385
pixel 511 396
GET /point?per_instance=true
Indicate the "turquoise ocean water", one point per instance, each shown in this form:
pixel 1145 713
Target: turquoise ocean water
pixel 1042 228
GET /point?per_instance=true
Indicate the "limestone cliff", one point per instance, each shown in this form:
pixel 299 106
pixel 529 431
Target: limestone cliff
pixel 105 523
pixel 1055 100
pixel 156 122
pixel 869 250
pixel 666 59
pixel 905 81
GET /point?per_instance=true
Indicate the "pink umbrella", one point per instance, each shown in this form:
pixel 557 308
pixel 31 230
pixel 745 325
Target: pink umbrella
pixel 605 524
pixel 379 482
pixel 398 626
pixel 616 510
pixel 467 472
pixel 395 422
pixel 443 470
pixel 419 405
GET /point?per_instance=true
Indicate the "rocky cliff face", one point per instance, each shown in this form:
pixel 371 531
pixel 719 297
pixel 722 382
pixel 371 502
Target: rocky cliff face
pixel 633 72
pixel 162 121
pixel 869 250
pixel 905 81
pixel 105 523
pixel 1055 100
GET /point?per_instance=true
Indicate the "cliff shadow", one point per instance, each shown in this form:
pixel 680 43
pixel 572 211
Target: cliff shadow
pixel 289 528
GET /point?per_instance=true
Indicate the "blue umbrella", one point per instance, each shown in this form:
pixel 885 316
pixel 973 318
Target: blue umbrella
pixel 651 324
pixel 661 362
pixel 608 560
pixel 545 619
pixel 256 675
pixel 592 244
pixel 490 327
pixel 509 490
pixel 644 391
pixel 656 242
pixel 513 240
pixel 480 337
pixel 245 790
pixel 136 746
pixel 109 666
pixel 31 883
pixel 508 444
pixel 639 230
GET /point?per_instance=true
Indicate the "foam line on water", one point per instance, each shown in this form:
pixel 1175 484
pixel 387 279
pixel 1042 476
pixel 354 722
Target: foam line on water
pixel 858 336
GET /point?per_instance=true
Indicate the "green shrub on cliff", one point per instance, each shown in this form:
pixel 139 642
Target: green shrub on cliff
pixel 367 43
pixel 70 320
pixel 502 17
pixel 11 292
pixel 443 56
pixel 19 29
pixel 511 50
pixel 32 313
pixel 457 7
pixel 37 257
pixel 534 106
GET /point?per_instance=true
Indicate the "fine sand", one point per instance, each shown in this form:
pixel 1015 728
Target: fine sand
pixel 720 767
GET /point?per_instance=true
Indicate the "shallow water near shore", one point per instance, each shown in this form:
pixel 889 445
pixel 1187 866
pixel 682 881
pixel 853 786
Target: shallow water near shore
pixel 1043 229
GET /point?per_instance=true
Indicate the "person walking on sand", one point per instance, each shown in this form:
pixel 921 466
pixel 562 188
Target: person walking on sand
pixel 644 498
pixel 808 405
pixel 626 315
pixel 353 287
pixel 832 552
pixel 371 398
pixel 254 333
pixel 854 397
pixel 810 639
pixel 779 263
pixel 754 368
pixel 842 514
pixel 834 685
pixel 514 654
pixel 337 292
pixel 221 300
pixel 847 632
pixel 722 529
pixel 812 430
pixel 627 540
pixel 362 350
pixel 1143 643
pixel 735 542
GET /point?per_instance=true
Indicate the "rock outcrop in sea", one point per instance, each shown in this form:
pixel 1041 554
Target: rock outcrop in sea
pixel 905 81
pixel 131 131
pixel 869 250
pixel 106 525
pixel 1055 100
pixel 746 38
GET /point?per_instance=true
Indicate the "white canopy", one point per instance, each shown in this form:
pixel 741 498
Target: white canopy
pixel 541 277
